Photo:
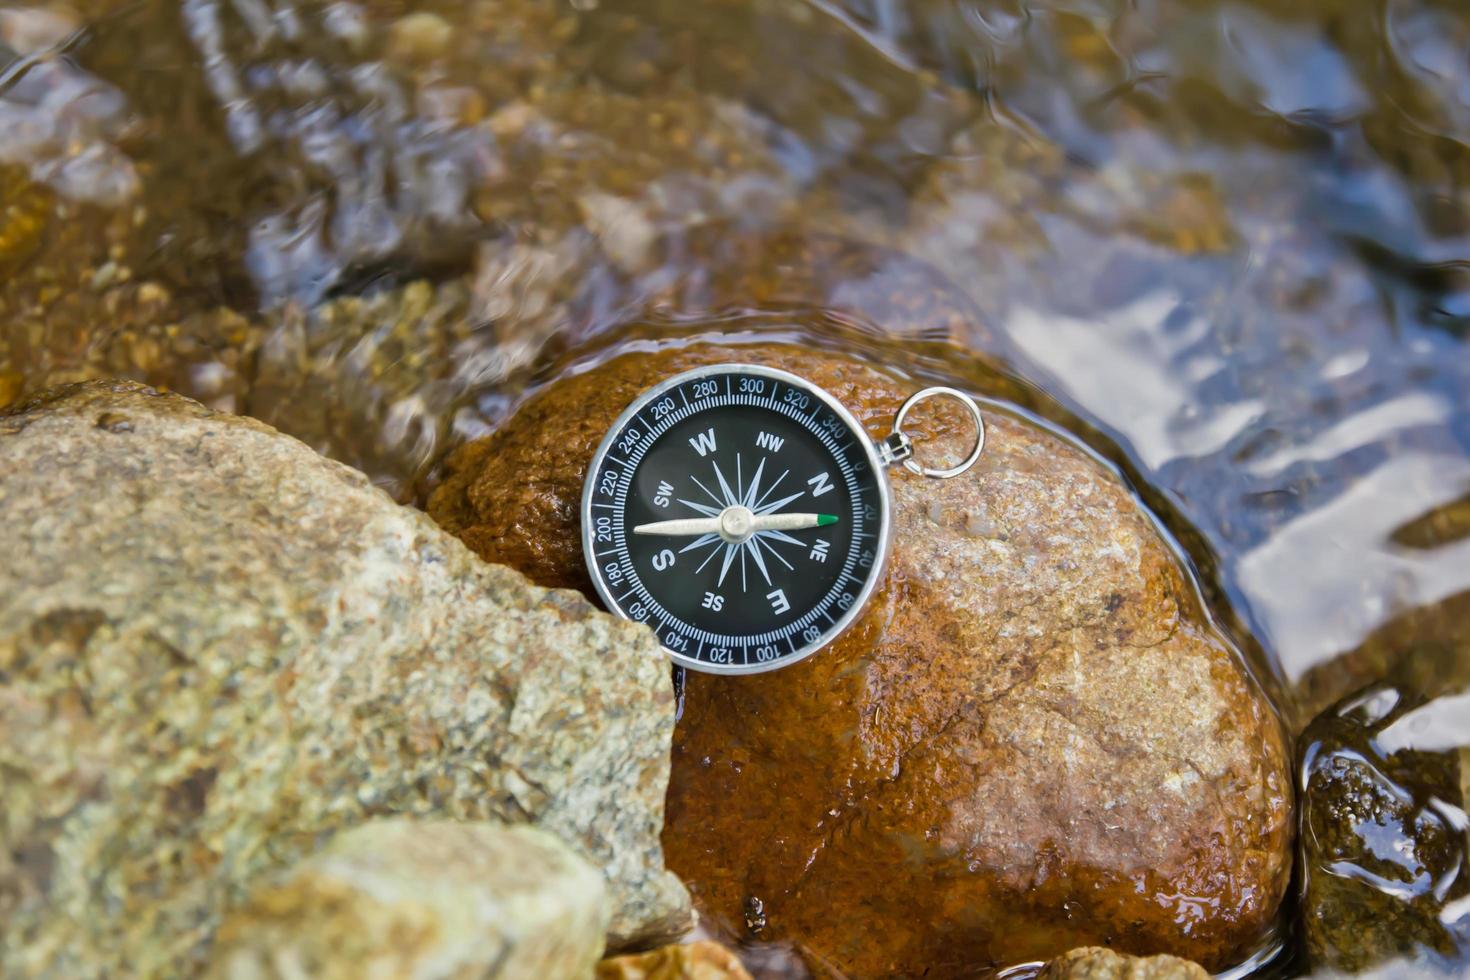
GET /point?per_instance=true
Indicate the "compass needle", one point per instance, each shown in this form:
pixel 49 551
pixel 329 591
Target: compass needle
pixel 682 527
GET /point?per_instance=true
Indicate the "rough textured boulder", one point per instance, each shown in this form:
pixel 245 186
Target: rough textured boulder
pixel 1035 740
pixel 1095 963
pixel 217 648
pixel 694 961
pixel 423 900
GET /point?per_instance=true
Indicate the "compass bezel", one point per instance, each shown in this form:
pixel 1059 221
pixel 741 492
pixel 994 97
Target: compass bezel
pixel 861 438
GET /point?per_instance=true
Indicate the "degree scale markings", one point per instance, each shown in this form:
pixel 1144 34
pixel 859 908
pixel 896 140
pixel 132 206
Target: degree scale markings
pixel 826 433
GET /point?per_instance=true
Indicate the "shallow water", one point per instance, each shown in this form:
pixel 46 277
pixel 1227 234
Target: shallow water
pixel 1227 242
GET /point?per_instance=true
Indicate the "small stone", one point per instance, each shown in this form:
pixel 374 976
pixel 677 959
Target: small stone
pixel 1096 963
pixel 218 649
pixel 1384 849
pixel 422 900
pixel 694 961
pixel 31 31
pixel 419 37
pixel 623 228
pixel 105 275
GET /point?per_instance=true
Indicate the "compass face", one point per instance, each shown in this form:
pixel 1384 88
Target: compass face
pixel 739 511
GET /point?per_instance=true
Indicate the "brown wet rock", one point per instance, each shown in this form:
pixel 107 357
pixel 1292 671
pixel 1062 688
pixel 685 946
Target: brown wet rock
pixel 693 961
pixel 1096 963
pixel 1383 839
pixel 1034 741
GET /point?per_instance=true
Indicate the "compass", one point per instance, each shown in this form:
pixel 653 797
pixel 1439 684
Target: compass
pixel 743 514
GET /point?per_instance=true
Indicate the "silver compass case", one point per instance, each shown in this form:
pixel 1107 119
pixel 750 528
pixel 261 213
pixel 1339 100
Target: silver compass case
pixel 662 461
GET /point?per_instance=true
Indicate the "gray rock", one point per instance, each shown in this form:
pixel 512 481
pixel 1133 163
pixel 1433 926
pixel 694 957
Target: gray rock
pixel 217 648
pixel 422 900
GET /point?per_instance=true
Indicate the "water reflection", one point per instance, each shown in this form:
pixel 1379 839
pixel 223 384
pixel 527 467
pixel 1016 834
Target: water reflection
pixel 1330 576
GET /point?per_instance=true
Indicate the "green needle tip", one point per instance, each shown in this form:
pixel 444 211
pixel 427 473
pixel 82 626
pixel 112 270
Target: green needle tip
pixel 824 519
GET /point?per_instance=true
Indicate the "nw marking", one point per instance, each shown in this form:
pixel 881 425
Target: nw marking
pixel 767 441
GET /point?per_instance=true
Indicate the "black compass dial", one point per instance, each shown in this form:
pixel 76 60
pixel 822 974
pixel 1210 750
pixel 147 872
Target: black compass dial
pixel 740 513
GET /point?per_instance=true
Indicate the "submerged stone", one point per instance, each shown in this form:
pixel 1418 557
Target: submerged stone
pixel 1384 847
pixel 218 649
pixel 1034 740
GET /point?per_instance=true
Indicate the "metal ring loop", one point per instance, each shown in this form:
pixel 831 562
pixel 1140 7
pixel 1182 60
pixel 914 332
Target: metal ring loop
pixel 912 465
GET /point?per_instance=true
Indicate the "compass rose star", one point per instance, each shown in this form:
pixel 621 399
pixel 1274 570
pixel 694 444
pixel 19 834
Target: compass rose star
pixel 761 543
pixel 748 500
